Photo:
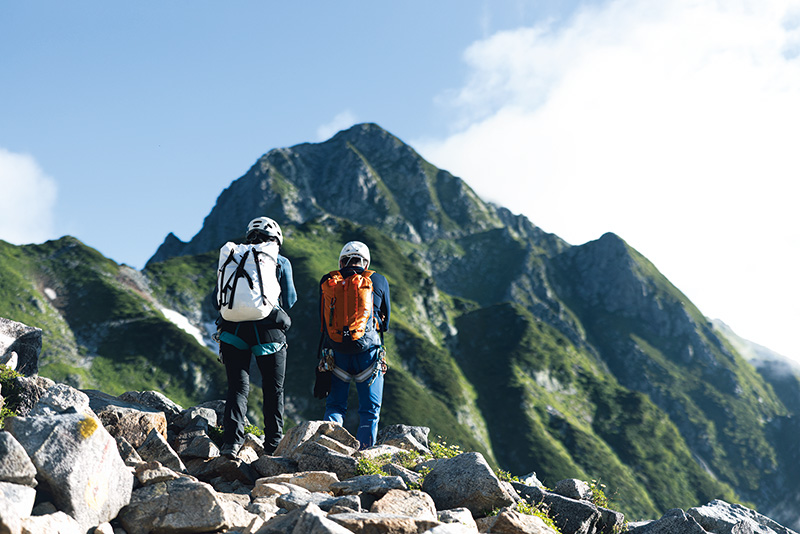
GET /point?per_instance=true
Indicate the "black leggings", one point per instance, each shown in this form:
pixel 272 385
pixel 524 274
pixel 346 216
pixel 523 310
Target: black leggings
pixel 273 372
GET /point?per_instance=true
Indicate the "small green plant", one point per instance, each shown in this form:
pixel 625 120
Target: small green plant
pixel 408 459
pixel 443 450
pixel 598 494
pixel 7 376
pixel 505 476
pixel 216 433
pixel 372 466
pixel 253 429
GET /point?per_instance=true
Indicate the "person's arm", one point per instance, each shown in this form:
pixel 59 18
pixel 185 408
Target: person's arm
pixel 384 306
pixel 288 292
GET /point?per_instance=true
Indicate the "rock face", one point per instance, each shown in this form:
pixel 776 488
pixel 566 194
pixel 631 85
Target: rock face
pixel 20 344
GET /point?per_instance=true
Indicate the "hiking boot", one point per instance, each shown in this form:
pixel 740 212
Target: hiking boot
pixel 229 451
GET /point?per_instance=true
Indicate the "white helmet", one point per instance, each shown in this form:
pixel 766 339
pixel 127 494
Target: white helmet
pixel 355 248
pixel 265 226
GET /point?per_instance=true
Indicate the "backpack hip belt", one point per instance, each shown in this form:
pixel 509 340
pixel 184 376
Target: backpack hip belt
pixel 259 349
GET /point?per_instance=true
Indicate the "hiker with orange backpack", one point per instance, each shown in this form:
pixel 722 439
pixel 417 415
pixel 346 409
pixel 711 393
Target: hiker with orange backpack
pixel 354 312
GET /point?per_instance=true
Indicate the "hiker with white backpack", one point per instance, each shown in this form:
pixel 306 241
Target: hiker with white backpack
pixel 253 293
pixel 354 311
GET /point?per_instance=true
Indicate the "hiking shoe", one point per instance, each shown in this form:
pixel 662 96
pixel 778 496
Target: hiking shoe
pixel 229 451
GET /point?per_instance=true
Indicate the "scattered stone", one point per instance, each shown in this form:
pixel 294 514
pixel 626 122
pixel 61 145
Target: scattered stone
pixel 21 498
pixel 574 489
pixel 383 523
pixel 181 505
pixel 59 398
pixel 411 478
pixel 308 430
pixel 410 438
pixel 16 466
pixel 320 481
pixel 412 503
pixel 510 521
pixel 187 418
pixel 155 448
pixel 308 520
pixel 59 522
pixel 312 456
pixel 674 521
pixel 124 418
pixel 153 472
pixel 461 516
pixel 154 400
pixel 269 466
pixel 376 485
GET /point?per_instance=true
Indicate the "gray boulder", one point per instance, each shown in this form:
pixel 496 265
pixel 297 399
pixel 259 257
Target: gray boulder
pixel 574 489
pixel 25 341
pixel 181 505
pixel 383 523
pixel 59 522
pixel 299 497
pixel 270 466
pixel 308 431
pixel 155 448
pixel 28 391
pixel 510 521
pixel 571 516
pixel 674 521
pixel 78 463
pixel 375 485
pixel 125 418
pixel 16 467
pixel 410 438
pixel 412 503
pixel 484 492
pixel 20 498
pixel 60 397
pixel 307 520
pixel 154 400
pixel 187 417
pixel 312 456
pixel 721 517
pixel 459 516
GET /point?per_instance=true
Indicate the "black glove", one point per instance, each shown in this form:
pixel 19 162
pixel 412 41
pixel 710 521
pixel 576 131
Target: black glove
pixel 322 385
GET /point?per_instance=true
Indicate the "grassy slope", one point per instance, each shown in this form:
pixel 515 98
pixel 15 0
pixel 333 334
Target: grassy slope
pixel 100 331
pixel 563 418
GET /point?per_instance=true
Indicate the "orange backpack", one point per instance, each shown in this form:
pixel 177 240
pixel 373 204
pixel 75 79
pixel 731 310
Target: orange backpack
pixel 347 306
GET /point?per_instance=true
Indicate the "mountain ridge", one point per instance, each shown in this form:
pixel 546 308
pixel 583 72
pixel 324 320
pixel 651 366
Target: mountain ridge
pixel 544 356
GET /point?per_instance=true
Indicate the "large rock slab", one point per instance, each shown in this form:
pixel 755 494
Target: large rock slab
pixel 25 341
pixel 77 461
pixel 721 517
pixel 510 521
pixel 571 516
pixel 181 505
pixel 483 493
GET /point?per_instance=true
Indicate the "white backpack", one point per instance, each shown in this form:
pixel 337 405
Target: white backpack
pixel 247 281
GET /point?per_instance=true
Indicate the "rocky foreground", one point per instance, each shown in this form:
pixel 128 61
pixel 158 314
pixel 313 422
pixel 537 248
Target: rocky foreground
pixel 87 462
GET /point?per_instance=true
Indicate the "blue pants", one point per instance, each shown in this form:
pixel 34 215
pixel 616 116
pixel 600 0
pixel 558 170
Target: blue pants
pixel 369 396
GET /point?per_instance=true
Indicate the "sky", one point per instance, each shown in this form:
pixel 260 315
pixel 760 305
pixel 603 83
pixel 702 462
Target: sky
pixel 674 124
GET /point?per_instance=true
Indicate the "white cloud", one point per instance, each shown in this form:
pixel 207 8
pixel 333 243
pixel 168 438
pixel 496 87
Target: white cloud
pixel 27 200
pixel 342 121
pixel 672 124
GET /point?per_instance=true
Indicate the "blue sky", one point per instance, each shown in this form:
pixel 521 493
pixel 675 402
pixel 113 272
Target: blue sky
pixel 671 123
